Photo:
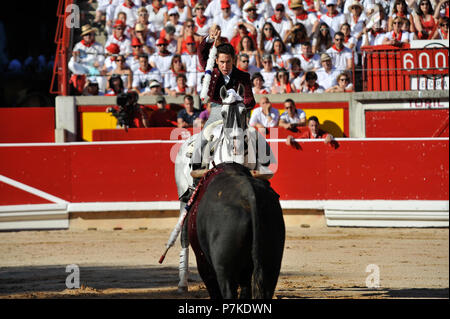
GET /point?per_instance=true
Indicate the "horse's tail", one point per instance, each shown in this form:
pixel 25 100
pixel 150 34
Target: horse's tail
pixel 268 240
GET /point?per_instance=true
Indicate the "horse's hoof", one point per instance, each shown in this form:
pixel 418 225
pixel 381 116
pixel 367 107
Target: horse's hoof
pixel 182 290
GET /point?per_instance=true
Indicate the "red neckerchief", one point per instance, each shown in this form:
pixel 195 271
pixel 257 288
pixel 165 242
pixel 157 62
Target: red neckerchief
pixel 313 88
pixel 398 37
pixel 288 87
pixel 200 21
pixel 129 7
pixel 121 40
pixel 144 71
pixel 302 16
pixel 355 19
pixel 269 39
pixel 250 19
pixel 401 14
pixel 244 70
pixel 87 44
pixel 338 50
pixel 333 14
pixel 181 90
pixel 306 58
pixel 274 19
pixel 346 38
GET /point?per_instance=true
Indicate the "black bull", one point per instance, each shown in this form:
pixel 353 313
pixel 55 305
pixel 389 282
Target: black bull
pixel 238 234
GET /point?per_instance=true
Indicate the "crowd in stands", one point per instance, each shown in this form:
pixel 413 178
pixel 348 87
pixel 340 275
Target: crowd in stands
pixel 287 46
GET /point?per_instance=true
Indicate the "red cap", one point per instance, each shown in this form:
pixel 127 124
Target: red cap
pixel 113 48
pixel 135 41
pixel 190 39
pixel 119 23
pixel 161 41
pixel 224 4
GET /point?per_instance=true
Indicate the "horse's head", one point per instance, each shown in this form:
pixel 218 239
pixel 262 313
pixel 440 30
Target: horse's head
pixel 234 115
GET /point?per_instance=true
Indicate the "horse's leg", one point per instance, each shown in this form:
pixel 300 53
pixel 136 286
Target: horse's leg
pixel 183 269
pixel 245 283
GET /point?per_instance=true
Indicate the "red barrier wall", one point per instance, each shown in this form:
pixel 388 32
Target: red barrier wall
pixel 407 123
pixel 358 169
pixel 27 125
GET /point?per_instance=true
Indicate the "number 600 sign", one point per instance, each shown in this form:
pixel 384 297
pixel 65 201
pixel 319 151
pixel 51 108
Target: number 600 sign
pixel 425 61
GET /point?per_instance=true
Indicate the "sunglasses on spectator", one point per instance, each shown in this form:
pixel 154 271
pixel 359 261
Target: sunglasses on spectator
pixel 120 60
pixel 200 8
pixel 344 79
pixel 161 45
pixel 444 25
pixel 119 28
pixel 143 14
pixel 397 22
pixel 267 61
pixel 244 61
pixel 136 46
pixel 339 39
pixel 251 10
pixel 424 4
pixel 279 9
pixel 189 25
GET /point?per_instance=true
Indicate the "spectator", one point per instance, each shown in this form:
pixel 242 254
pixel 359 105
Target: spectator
pixel 266 38
pixel 188 33
pixel 442 32
pixel 300 15
pixel 294 39
pixel 424 20
pixel 406 26
pixel 280 21
pixel 343 84
pixel 202 23
pixel 400 9
pixel 292 117
pixel 181 87
pixel 357 19
pixel 157 13
pixel 91 87
pixel 145 73
pixel 226 20
pixel 349 40
pixel 110 64
pixel 87 58
pixel 396 37
pixel 118 37
pixel 174 21
pixel 309 60
pixel 268 72
pixel 264 8
pixel 341 56
pixel 162 116
pixel 133 60
pixel 244 64
pixel 115 86
pixel 373 35
pixel 183 10
pixel 251 16
pixel 264 116
pixel 214 8
pixel 310 84
pixel 145 37
pixel 243 29
pixel 296 74
pixel 131 11
pixel 280 56
pixel 154 88
pixel 163 59
pixel 327 74
pixel 322 41
pixel 314 132
pixel 167 35
pixel 248 46
pixel 203 117
pixel 281 84
pixel 188 114
pixel 441 9
pixel 143 20
pixel 193 67
pixel 123 71
pixel 176 67
pixel 333 18
pixel 258 84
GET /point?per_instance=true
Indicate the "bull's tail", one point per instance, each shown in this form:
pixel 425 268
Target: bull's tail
pixel 268 240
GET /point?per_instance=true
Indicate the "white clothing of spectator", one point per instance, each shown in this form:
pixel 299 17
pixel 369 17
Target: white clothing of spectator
pixel 327 74
pixel 214 8
pixel 279 22
pixel 265 115
pixel 308 19
pixel 268 72
pixel 299 117
pixel 88 55
pixel 156 13
pixel 226 20
pixel 130 9
pixel 341 56
pixel 252 16
pixel 144 75
pixel 333 18
pixel 119 38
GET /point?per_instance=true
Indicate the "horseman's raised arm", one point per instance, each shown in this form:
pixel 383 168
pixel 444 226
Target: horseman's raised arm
pixel 203 50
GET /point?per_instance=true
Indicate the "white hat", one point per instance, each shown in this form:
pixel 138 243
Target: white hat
pixel 173 11
pixel 248 5
pixel 333 2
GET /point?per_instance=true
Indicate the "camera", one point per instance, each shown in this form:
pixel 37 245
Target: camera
pixel 127 103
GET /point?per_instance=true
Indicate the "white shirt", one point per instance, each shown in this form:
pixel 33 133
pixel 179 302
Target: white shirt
pixel 88 55
pixel 333 22
pixel 340 58
pixel 298 117
pixel 214 8
pixel 308 64
pixel 132 14
pixel 258 117
pixel 326 79
pixel 311 18
pixel 156 19
pixel 124 44
pixel 142 79
pixel 268 77
pixel 228 26
pixel 281 27
pixel 161 62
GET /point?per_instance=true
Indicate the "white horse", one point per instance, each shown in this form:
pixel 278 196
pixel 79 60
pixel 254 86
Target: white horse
pixel 229 140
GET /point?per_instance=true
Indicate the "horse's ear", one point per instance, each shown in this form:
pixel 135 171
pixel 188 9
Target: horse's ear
pixel 241 90
pixel 223 92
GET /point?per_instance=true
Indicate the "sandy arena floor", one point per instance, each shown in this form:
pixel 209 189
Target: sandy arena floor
pixel 319 262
